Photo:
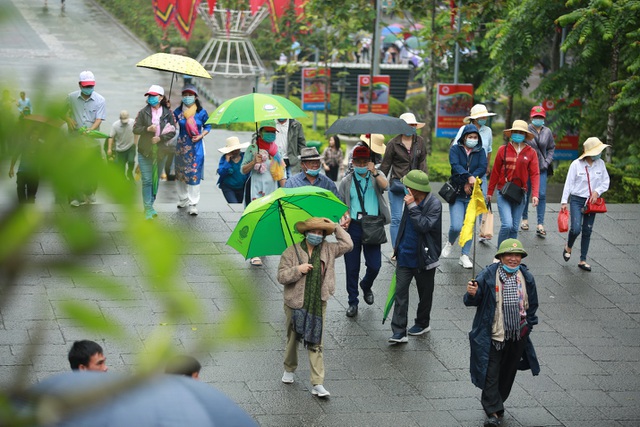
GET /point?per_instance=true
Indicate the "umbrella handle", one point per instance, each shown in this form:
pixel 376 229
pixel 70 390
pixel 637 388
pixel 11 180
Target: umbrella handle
pixel 286 224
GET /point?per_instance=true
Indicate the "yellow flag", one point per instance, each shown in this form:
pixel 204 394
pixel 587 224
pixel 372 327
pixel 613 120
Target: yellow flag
pixel 477 206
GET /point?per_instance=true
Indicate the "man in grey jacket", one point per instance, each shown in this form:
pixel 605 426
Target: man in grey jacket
pixel 290 140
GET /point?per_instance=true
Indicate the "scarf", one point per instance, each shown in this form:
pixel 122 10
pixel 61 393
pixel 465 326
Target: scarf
pixel 190 123
pixel 512 304
pixel 271 148
pixel 307 321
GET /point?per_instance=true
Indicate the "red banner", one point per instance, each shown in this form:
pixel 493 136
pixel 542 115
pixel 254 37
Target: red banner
pixel 185 16
pixel 378 92
pixel 453 104
pixel 163 11
pixel 314 88
pixel 212 5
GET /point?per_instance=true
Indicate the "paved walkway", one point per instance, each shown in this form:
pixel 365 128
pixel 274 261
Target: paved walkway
pixel 587 341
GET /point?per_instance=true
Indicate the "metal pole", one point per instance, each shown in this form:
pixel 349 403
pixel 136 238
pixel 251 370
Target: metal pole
pixel 375 52
pixel 456 66
pixel 564 36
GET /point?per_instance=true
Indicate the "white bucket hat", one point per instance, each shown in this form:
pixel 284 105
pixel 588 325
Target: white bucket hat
pixel 592 147
pixel 410 118
pixel 477 111
pixel 233 143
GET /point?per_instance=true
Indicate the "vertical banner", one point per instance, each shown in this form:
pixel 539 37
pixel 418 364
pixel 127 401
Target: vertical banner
pixel 378 91
pixel 163 11
pixel 567 147
pixel 185 16
pixel 453 105
pixel 314 85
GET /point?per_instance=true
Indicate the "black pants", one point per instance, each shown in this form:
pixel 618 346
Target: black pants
pixel 27 184
pixel 501 373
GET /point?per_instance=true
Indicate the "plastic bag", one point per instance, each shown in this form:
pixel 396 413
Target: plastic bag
pixel 563 220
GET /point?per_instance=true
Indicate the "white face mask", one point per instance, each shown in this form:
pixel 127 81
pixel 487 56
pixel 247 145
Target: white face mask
pixel 471 142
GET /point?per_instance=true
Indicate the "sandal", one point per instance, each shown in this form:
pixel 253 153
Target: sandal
pixel 566 254
pixel 524 226
pixel 541 232
pixel 584 266
pixel 256 262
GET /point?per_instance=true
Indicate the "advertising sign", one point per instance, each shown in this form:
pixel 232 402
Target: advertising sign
pixel 453 104
pixel 314 83
pixel 567 147
pixel 378 91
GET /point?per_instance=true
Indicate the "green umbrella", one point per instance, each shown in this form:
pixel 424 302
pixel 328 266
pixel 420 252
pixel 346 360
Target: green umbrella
pixel 267 224
pixel 93 133
pixel 253 108
pixel 391 297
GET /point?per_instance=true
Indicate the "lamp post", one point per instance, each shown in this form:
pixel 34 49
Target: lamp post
pixel 341 86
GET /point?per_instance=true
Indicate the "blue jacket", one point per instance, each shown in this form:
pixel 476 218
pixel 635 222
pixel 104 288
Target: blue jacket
pixel 428 222
pixel 463 166
pixel 480 335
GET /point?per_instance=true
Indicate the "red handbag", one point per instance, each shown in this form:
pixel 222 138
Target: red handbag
pixel 599 206
pixel 563 221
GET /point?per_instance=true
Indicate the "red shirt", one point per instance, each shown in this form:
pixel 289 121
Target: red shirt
pixel 519 168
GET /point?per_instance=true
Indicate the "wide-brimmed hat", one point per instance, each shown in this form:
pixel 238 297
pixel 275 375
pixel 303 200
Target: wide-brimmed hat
pixel 361 152
pixel 269 124
pixel 522 126
pixel 511 246
pixel 478 110
pixel 233 143
pixel 315 223
pixel 377 142
pixel 417 180
pixel 155 90
pixel 592 147
pixel 466 131
pixel 410 118
pixel 538 111
pixel 309 153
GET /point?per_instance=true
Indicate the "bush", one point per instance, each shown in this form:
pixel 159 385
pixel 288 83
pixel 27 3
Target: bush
pixel 347 105
pixel 417 105
pixel 396 107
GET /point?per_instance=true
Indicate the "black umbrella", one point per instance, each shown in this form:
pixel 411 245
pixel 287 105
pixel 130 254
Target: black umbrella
pixel 370 123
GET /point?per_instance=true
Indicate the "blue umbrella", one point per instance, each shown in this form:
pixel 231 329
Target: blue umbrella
pixel 166 400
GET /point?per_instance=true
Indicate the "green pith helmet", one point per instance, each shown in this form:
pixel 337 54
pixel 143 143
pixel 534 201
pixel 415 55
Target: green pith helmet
pixel 511 246
pixel 417 180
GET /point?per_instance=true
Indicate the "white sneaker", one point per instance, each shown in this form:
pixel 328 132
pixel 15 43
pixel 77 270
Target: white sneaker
pixel 465 262
pixel 287 377
pixel 193 210
pixel 320 391
pixel 183 203
pixel 91 199
pixel 446 251
pixel 74 203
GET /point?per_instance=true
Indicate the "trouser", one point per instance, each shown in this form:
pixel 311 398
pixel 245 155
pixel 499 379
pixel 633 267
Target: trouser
pixel 232 195
pixel 510 216
pixel 127 160
pixel 457 211
pixel 27 185
pixel 542 198
pixel 316 361
pixel 372 261
pixel 188 192
pixel 146 177
pixel 501 373
pixel 580 223
pixel 425 284
pixel 87 189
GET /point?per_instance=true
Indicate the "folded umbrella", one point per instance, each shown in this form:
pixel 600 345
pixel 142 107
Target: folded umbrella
pixel 391 297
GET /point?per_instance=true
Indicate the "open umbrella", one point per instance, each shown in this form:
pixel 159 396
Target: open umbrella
pixel 176 64
pixel 370 123
pixel 254 107
pixel 267 224
pixel 391 297
pixel 164 400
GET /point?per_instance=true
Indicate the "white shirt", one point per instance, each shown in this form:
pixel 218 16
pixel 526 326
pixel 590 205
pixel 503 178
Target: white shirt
pixel 122 134
pixel 282 136
pixel 576 183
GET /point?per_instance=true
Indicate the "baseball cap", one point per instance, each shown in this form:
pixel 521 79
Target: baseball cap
pixel 87 79
pixel 155 90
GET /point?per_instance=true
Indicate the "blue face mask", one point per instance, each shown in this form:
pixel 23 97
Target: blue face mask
pixel 87 91
pixel 482 122
pixel 594 158
pixel 314 239
pixel 470 143
pixel 360 170
pixel 537 122
pixel 518 138
pixel 153 100
pixel 509 269
pixel 268 136
pixel 188 100
pixel 408 134
pixel 313 172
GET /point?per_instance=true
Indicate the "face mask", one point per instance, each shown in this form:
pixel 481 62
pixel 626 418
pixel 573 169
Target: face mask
pixel 269 136
pixel 282 121
pixel 518 138
pixel 471 142
pixel 188 100
pixel 314 239
pixel 87 91
pixel 594 158
pixel 313 172
pixel 408 134
pixel 482 122
pixel 153 100
pixel 509 269
pixel 537 122
pixel 124 122
pixel 360 170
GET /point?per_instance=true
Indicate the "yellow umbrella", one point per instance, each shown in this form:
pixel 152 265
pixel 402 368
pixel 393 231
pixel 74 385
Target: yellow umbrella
pixel 174 64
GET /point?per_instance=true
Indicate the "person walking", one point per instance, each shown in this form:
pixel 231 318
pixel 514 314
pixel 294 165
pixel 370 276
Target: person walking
pixel 587 179
pixel 516 163
pixel 189 160
pixel 404 153
pixel 310 162
pixel 468 162
pixel 544 145
pixel 155 126
pixel 290 141
pixel 506 298
pixel 417 251
pixel 232 180
pixel 24 105
pixel 307 272
pixel 362 190
pixel 125 144
pixel 332 158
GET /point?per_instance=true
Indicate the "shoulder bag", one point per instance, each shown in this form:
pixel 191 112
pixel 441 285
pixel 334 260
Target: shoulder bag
pixel 510 190
pixel 599 206
pixel 448 192
pixel 373 232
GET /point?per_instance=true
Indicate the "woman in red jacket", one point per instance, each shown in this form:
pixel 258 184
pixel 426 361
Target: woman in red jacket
pixel 514 165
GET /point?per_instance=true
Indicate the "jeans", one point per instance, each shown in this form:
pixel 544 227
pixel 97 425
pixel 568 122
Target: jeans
pixel 542 198
pixel 580 223
pixel 457 211
pixel 425 280
pixel 510 215
pixel 396 203
pixel 146 172
pixel 232 195
pixel 372 261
